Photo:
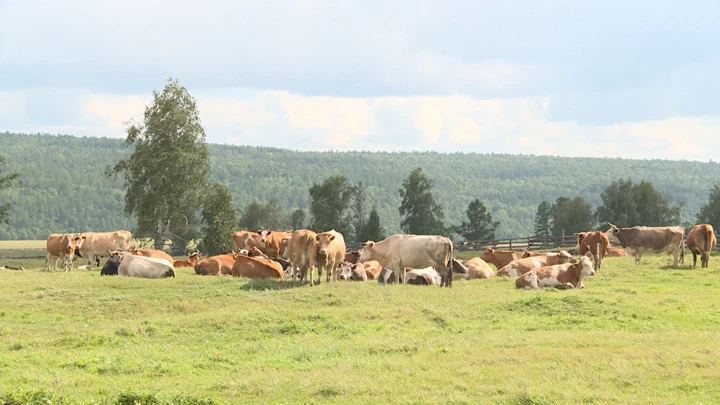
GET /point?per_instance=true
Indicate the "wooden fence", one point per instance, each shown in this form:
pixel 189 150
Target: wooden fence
pixel 528 242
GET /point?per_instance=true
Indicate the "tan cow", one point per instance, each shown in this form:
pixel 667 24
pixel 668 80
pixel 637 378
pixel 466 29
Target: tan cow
pixel 529 253
pixel 566 275
pixel 275 242
pixel 215 265
pixel 518 267
pixel 154 253
pixel 416 251
pixel 247 240
pixel 100 244
pixel 369 270
pixel 654 239
pixel 500 258
pixel 302 252
pixel 191 261
pixel 256 267
pixel 331 251
pixel 596 243
pixel 62 246
pixel 616 252
pixel 478 268
pixel 701 241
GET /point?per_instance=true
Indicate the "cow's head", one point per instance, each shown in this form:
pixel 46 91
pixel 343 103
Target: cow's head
pixel 579 236
pixel 487 254
pixel 587 266
pixel 366 252
pixel 263 235
pixel 324 239
pixel 345 271
pixel 613 229
pixel 74 244
pixel 565 256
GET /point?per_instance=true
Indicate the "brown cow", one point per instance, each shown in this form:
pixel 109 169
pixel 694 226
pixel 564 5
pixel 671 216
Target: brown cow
pixel 518 267
pixel 215 265
pixel 273 242
pixel 529 253
pixel 157 254
pixel 500 258
pixel 616 252
pixel 654 239
pixel 352 256
pixel 247 240
pixel 701 241
pixel 478 268
pixel 596 243
pixel 331 251
pixel 302 252
pixel 256 267
pixel 565 275
pixel 62 246
pixel 191 261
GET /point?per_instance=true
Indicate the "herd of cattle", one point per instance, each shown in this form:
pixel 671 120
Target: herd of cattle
pixel 411 259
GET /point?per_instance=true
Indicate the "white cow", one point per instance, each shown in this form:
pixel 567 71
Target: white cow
pixel 145 267
pixel 100 244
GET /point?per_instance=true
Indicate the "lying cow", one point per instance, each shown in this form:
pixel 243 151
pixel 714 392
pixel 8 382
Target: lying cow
pixel 529 253
pixel 701 241
pixel 154 253
pixel 477 268
pixel 426 276
pixel 617 252
pixel 369 270
pixel 518 267
pixel 560 275
pixel 500 258
pixel 654 239
pixel 256 267
pixel 417 251
pixel 111 265
pixel 596 243
pixel 145 267
pixel 351 256
pixel 191 261
pixel 387 276
pixel 215 265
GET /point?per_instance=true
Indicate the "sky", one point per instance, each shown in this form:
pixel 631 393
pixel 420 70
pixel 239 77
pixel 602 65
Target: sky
pixel 607 78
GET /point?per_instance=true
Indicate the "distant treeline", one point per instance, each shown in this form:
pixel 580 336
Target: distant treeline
pixel 65 188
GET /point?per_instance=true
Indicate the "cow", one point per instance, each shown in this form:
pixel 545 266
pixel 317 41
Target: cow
pixel 256 267
pixel 655 239
pixel 529 253
pixel 616 252
pixel 111 265
pixel 63 246
pixel 458 266
pixel 351 256
pixel 478 268
pixel 191 261
pixel 568 275
pixel 247 240
pixel 369 270
pixel 215 265
pixel 518 267
pixel 302 252
pixel 427 276
pixel 387 276
pixel 157 254
pixel 416 251
pixel 500 258
pixel 100 244
pixel 701 241
pixel 274 242
pixel 145 267
pixel 597 243
pixel 331 251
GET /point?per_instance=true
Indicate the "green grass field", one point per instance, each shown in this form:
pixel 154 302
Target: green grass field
pixel 636 335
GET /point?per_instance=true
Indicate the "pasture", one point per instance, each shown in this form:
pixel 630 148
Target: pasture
pixel 636 335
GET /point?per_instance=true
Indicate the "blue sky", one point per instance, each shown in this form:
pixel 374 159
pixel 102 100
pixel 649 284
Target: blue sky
pixel 572 78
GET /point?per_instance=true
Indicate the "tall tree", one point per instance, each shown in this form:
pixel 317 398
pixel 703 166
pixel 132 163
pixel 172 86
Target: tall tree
pixel 481 226
pixel 329 203
pixel 219 219
pixel 421 215
pixel 265 216
pixel 571 216
pixel 6 182
pixel 359 215
pixel 543 220
pixel 710 212
pixel 297 219
pixel 625 204
pixel 252 217
pixel 372 229
pixel 166 174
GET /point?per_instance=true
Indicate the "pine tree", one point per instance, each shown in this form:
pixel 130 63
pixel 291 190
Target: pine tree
pixel 329 203
pixel 710 212
pixel 5 182
pixel 543 221
pixel 421 215
pixel 372 229
pixel 219 219
pixel 481 226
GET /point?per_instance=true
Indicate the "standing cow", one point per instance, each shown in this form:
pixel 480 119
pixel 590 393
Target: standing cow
pixel 654 239
pixel 416 251
pixel 701 241
pixel 247 240
pixel 63 246
pixel 331 252
pixel 596 243
pixel 302 252
pixel 100 244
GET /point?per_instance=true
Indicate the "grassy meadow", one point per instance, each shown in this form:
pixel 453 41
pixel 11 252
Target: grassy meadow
pixel 643 334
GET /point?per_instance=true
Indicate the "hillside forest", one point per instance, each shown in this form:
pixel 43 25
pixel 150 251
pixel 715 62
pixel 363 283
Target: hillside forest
pixel 65 189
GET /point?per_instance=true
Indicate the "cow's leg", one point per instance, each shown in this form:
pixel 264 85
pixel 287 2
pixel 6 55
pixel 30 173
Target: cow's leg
pixel 637 257
pixel 400 269
pixel 47 262
pixel 676 256
pixel 695 259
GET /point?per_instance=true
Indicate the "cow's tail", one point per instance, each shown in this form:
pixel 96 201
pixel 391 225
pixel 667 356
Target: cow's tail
pixel 449 265
pixel 682 248
pixel 708 236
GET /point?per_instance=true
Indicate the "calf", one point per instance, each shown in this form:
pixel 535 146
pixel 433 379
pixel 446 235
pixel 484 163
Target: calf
pixel 701 241
pixel 597 243
pixel 518 267
pixel 566 275
pixel 500 258
pixel 191 261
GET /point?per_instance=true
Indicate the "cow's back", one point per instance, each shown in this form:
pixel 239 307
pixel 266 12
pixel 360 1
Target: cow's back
pixel 417 251
pixel 145 267
pixel 520 266
pixel 253 267
pixel 57 243
pixel 215 265
pixel 651 238
pixel 478 268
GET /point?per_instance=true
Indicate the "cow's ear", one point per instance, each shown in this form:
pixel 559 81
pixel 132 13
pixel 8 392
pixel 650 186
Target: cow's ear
pixel 269 232
pixel 332 237
pixel 369 244
pixel 317 238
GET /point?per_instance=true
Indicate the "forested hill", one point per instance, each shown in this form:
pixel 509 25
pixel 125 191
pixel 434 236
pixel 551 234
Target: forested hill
pixel 65 188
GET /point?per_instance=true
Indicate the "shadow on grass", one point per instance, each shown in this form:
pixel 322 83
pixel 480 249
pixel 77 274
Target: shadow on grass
pixel 261 284
pixel 680 267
